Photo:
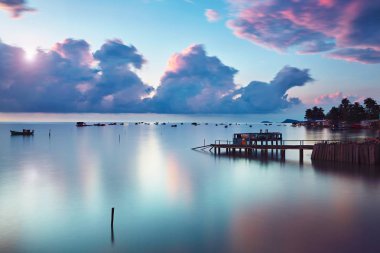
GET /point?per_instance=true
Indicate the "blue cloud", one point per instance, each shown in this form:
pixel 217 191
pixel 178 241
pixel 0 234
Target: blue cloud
pixel 198 83
pixel 69 78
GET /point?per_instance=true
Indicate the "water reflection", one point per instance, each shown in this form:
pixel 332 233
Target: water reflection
pixel 301 228
pixel 112 236
pixel 56 194
pixel 370 173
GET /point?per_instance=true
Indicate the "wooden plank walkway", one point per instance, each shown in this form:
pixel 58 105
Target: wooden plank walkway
pixel 359 152
pixel 229 148
pixel 274 147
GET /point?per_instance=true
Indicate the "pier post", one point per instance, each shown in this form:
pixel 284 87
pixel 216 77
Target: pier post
pixel 112 215
pixel 283 154
pixel 301 155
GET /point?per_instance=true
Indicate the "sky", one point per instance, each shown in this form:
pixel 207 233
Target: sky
pixel 187 56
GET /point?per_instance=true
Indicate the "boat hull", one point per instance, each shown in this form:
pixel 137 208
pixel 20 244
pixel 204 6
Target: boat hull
pixel 26 133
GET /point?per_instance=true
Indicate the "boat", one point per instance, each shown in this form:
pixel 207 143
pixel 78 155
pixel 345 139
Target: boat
pixel 24 132
pixel 99 124
pixel 81 124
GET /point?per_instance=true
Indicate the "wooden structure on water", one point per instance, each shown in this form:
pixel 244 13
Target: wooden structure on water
pixel 255 138
pixel 248 144
pixel 366 153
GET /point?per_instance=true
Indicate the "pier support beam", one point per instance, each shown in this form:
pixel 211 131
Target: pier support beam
pixel 283 154
pixel 301 155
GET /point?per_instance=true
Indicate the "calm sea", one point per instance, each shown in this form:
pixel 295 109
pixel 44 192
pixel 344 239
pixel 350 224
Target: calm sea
pixel 56 193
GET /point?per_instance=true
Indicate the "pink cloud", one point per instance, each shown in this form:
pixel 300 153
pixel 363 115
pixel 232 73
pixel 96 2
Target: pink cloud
pixel 212 15
pixel 335 98
pixel 348 27
pixel 326 3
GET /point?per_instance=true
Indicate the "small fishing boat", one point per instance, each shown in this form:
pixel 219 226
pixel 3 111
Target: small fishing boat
pixel 81 124
pixel 24 132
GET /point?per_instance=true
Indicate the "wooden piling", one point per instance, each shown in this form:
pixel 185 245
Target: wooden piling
pixel 112 216
pixel 301 155
pixel 353 153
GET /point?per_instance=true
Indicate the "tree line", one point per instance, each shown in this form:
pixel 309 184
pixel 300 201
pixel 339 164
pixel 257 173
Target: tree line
pixel 346 111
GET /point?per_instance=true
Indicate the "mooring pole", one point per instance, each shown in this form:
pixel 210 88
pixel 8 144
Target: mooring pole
pixel 112 215
pixel 301 155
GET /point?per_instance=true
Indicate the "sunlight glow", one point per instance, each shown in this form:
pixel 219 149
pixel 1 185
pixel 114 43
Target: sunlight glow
pixel 30 55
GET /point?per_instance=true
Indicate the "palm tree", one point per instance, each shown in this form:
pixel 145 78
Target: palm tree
pixel 372 109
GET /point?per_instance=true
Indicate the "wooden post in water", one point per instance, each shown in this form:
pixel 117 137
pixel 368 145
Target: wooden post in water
pixel 301 155
pixel 112 215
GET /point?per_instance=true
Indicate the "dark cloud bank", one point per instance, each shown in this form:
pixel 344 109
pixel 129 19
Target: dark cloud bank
pixel 345 29
pixel 69 78
pixel 15 7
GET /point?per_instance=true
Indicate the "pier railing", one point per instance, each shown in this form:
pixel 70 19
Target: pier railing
pixel 279 142
pixel 356 151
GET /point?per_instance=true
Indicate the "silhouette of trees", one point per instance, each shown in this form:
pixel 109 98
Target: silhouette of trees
pixel 316 113
pixel 372 109
pixel 355 112
pixel 334 114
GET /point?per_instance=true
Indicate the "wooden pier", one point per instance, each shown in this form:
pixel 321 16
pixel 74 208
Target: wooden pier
pixel 226 147
pixel 360 152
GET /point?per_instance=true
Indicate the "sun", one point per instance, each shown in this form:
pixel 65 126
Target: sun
pixel 30 55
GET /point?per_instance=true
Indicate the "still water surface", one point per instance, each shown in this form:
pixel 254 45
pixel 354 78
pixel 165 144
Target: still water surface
pixel 56 193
